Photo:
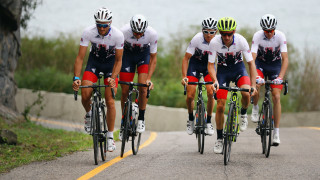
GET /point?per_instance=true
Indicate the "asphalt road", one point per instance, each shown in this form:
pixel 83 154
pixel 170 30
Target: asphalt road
pixel 174 155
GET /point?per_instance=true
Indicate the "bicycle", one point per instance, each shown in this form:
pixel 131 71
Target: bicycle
pixel 130 120
pixel 265 123
pixel 231 127
pixel 201 116
pixel 98 128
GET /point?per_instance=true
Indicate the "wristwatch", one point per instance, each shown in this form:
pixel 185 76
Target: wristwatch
pixel 75 78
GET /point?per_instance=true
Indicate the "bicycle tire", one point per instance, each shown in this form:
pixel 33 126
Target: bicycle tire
pixel 136 137
pixel 260 126
pixel 202 128
pixel 125 128
pixel 264 129
pixel 103 135
pixel 94 133
pixel 228 135
pixel 269 128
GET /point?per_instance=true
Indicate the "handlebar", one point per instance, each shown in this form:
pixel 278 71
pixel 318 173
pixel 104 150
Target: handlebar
pixel 234 89
pixel 137 84
pixel 93 87
pixel 195 83
pixel 285 83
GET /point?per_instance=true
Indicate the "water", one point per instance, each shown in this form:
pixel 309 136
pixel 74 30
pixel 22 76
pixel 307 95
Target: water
pixel 299 20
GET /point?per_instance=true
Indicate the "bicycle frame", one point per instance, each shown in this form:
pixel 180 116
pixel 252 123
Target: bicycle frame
pixel 265 123
pixel 129 124
pixel 201 116
pixel 97 131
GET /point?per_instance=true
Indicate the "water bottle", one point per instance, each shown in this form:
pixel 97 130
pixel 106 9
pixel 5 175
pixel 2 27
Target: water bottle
pixel 135 111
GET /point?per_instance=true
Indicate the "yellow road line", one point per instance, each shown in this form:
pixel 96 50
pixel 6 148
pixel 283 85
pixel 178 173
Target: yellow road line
pixel 57 123
pixel 97 170
pixel 315 128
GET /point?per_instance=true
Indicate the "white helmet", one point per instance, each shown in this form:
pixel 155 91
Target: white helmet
pixel 268 22
pixel 103 15
pixel 138 23
pixel 209 23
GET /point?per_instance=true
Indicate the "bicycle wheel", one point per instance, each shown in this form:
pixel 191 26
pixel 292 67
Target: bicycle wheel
pixel 261 128
pixel 264 129
pixel 125 127
pixel 228 134
pixel 269 128
pixel 103 139
pixel 201 128
pixel 95 137
pixel 136 137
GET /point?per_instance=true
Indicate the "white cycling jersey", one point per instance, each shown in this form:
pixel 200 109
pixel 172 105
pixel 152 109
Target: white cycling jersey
pixel 149 39
pixel 198 47
pixel 228 57
pixel 102 45
pixel 269 50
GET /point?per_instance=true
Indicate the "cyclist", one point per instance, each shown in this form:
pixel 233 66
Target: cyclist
pixel 140 50
pixel 197 56
pixel 269 50
pixel 228 48
pixel 105 56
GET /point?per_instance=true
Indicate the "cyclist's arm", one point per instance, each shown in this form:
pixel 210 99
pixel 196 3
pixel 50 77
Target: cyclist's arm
pixel 152 65
pixel 285 63
pixel 185 62
pixel 212 72
pixel 253 73
pixel 117 64
pixel 79 60
pixel 254 56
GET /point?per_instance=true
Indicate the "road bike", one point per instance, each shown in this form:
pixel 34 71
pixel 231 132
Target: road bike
pixel 231 127
pixel 201 115
pixel 98 129
pixel 129 123
pixel 265 123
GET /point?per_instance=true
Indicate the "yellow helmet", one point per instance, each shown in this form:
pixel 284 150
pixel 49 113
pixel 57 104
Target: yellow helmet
pixel 227 24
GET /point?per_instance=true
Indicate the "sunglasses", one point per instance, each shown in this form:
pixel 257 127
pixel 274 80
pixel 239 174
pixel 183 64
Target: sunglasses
pixel 138 34
pixel 269 31
pixel 226 34
pixel 209 32
pixel 102 25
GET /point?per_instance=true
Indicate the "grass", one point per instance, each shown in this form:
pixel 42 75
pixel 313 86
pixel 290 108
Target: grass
pixel 37 143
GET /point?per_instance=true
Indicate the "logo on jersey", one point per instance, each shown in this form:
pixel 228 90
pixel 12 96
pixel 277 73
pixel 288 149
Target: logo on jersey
pixel 127 69
pixel 93 70
pixel 269 54
pixel 284 42
pixel 229 58
pixel 201 55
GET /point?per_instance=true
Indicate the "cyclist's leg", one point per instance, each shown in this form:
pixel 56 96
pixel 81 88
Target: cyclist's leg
pixel 224 80
pixel 276 91
pixel 143 69
pixel 191 91
pixel 128 69
pixel 86 95
pixel 244 82
pixel 276 106
pixel 89 77
pixel 111 109
pixel 210 103
pixel 256 97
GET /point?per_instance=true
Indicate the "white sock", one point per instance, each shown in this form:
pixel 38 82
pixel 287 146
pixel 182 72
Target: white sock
pixel 110 134
pixel 256 107
pixel 276 131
